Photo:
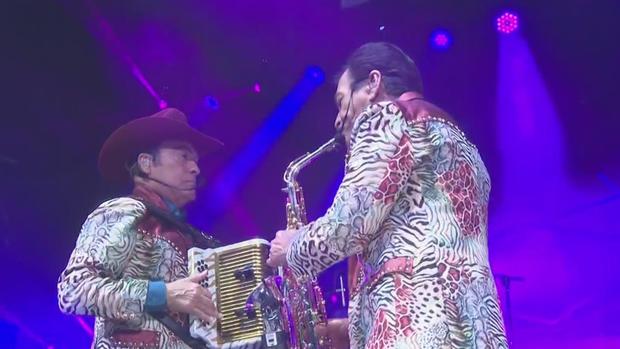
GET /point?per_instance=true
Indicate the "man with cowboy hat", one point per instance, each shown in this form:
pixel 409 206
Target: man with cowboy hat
pixel 129 266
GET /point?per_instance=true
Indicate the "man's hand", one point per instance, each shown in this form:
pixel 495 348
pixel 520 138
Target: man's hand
pixel 189 297
pixel 279 247
pixel 337 330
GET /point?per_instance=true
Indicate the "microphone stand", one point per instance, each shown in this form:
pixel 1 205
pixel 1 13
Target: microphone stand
pixel 506 281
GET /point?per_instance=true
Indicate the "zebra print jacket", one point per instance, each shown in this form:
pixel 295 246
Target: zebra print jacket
pixel 120 248
pixel 413 207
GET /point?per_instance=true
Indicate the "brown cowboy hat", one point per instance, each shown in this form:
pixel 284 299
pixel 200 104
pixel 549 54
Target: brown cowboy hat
pixel 123 146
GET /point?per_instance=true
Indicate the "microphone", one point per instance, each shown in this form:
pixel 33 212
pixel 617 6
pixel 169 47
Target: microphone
pixel 340 130
pixel 198 185
pixel 340 140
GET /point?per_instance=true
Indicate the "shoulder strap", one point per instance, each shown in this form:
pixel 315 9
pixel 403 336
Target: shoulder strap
pixel 200 239
pixel 178 330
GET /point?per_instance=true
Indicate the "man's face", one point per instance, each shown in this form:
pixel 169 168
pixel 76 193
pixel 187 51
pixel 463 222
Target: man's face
pixel 351 101
pixel 176 164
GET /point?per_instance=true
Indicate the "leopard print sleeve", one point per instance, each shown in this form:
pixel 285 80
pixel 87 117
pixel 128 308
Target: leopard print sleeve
pixel 93 282
pixel 380 163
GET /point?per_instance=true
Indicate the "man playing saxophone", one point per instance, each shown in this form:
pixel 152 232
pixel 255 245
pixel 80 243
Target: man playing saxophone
pixel 411 212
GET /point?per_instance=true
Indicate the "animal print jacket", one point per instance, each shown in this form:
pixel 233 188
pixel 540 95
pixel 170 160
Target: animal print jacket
pixel 413 208
pixel 120 248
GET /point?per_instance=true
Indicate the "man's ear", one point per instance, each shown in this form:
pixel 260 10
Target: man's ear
pixel 145 162
pixel 374 83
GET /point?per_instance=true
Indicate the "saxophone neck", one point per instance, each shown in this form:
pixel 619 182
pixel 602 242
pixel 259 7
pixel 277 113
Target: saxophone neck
pixel 295 206
pixel 290 175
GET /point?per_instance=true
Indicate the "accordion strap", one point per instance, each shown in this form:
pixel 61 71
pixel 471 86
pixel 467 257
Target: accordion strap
pixel 178 330
pixel 200 239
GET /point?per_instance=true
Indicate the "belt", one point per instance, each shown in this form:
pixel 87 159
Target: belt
pixel 398 265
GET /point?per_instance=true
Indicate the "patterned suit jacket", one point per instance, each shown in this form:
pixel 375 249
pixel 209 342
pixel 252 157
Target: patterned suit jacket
pixel 413 207
pixel 120 248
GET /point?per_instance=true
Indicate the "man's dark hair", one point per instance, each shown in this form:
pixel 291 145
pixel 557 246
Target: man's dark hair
pixel 400 73
pixel 134 168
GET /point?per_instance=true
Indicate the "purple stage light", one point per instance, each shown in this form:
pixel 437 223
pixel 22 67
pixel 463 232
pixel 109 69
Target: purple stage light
pixel 507 23
pixel 440 39
pixel 211 103
pixel 315 74
pixel 257 88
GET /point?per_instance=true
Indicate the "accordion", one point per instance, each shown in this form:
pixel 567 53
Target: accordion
pixel 234 272
pixel 259 309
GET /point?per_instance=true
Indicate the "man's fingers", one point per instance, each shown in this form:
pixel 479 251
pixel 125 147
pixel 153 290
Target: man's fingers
pixel 276 246
pixel 205 301
pixel 199 276
pixel 203 316
pixel 276 249
pixel 272 262
pixel 208 307
pixel 205 292
pixel 276 262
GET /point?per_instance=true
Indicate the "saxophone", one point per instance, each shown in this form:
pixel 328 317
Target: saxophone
pixel 292 306
pixel 295 206
pixel 304 295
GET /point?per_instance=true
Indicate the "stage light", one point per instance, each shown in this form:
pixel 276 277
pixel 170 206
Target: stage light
pixel 507 23
pixel 239 169
pixel 211 103
pixel 441 39
pixel 315 74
